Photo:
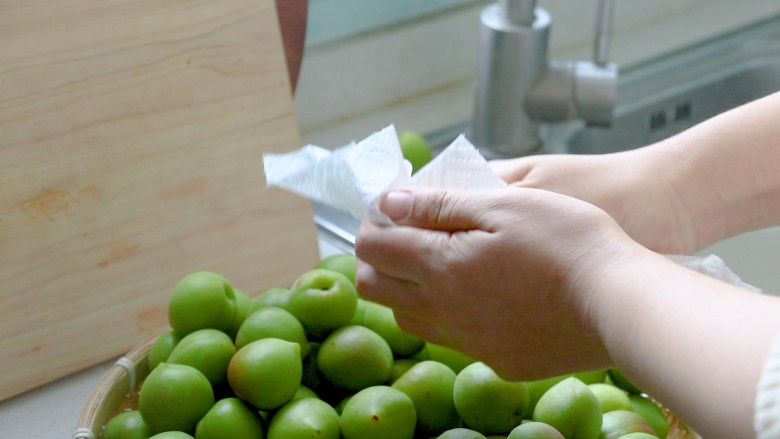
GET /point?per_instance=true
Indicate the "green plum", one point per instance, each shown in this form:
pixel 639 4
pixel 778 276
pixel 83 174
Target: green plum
pixel 323 300
pixel 276 296
pixel 266 373
pixel 174 397
pixel 535 430
pixel 415 149
pixel 591 376
pixel 486 402
pixel 354 357
pixel 305 418
pixel 619 379
pixel 400 366
pixel 344 263
pixel 638 435
pixel 537 388
pixel 230 418
pixel 610 397
pixel 202 299
pixel 378 412
pixel 244 306
pixel 618 423
pixel 340 406
pixel 304 392
pixel 162 347
pixel 172 435
pixel 207 350
pixel 572 408
pixel 461 433
pixel 360 311
pixel 272 322
pixel 430 386
pixel 127 425
pixel 652 414
pixel 312 377
pixel 380 319
pixel 453 358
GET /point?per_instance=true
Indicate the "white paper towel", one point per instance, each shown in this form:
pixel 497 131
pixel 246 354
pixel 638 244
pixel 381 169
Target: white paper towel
pixel 353 177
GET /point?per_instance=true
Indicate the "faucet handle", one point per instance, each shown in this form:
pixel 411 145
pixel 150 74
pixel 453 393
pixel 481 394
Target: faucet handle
pixel 595 91
pixel 574 89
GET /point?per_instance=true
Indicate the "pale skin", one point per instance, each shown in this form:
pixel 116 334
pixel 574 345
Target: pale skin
pixel 563 270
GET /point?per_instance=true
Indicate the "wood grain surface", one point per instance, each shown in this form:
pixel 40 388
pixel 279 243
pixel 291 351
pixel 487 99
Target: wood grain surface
pixel 131 134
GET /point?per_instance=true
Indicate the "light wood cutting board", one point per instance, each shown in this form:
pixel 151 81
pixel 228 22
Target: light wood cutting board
pixel 131 134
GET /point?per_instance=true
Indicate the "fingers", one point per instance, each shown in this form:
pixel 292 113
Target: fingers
pixel 420 327
pixel 425 220
pixel 381 288
pixel 433 209
pixel 512 170
pixel 401 252
pixel 426 231
pixel 403 297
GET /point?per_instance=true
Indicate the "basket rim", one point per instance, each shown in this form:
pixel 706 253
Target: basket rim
pixel 93 416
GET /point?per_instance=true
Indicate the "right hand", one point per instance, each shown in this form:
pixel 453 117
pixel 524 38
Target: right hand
pixel 630 186
pixel 505 275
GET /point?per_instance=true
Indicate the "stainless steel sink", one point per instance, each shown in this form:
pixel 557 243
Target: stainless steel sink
pixel 667 95
pixel 658 99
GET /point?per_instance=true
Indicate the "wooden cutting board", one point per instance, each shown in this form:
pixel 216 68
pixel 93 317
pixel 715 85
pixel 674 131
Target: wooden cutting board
pixel 131 134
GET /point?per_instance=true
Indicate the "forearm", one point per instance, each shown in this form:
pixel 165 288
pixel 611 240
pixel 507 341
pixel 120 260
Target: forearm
pixel 724 172
pixel 697 344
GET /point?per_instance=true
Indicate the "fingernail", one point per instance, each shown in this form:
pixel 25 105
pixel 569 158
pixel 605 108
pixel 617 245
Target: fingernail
pixel 396 204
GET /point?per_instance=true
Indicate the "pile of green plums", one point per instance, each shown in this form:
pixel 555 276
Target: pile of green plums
pixel 316 360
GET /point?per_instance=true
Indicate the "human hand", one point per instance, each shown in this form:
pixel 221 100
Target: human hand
pixel 504 275
pixel 630 186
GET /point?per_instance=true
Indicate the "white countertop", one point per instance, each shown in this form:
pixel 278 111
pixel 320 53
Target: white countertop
pixel 53 410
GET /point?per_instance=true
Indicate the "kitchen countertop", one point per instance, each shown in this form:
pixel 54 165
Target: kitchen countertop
pixel 52 410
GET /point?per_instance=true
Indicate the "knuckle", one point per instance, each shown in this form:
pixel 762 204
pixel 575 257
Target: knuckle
pixel 437 209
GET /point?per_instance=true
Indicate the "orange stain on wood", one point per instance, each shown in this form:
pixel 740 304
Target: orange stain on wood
pixel 49 202
pixel 90 194
pixel 118 251
pixel 188 189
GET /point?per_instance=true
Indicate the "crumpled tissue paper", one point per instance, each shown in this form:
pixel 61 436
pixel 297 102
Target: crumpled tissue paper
pixel 353 177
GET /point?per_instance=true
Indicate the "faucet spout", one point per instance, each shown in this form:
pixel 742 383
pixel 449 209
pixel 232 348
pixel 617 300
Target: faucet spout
pixel 517 88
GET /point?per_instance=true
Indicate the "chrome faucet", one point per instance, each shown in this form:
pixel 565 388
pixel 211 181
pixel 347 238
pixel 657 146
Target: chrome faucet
pixel 517 88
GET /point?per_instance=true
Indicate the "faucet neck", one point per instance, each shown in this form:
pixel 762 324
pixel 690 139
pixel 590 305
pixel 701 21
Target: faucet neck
pixel 518 12
pixel 603 31
pixel 517 88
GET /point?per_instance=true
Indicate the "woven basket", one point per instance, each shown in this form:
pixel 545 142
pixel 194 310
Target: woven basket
pixel 118 390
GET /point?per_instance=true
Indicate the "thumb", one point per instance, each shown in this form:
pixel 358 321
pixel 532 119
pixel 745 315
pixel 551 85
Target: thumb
pixel 436 209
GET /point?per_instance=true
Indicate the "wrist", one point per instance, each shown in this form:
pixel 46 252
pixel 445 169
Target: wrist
pixel 697 196
pixel 602 286
pixel 686 207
